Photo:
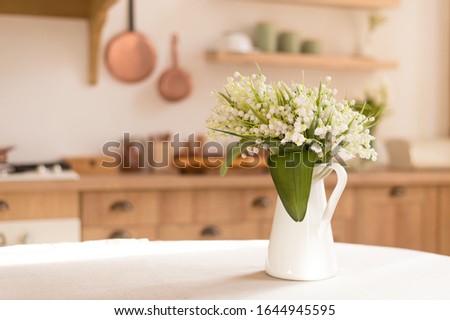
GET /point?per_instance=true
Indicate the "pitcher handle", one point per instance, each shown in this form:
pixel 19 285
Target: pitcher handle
pixel 337 192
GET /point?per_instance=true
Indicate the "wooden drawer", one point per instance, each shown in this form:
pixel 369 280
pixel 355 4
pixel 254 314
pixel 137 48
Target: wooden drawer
pixel 444 220
pixel 177 206
pixel 265 228
pixel 258 204
pixel 397 216
pixel 38 205
pixel 218 205
pixel 98 233
pixel 343 217
pixel 234 205
pixel 120 208
pixel 210 231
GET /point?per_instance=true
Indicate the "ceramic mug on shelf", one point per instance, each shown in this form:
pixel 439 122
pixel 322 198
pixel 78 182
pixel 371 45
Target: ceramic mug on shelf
pixel 266 37
pixel 236 42
pixel 311 46
pixel 288 41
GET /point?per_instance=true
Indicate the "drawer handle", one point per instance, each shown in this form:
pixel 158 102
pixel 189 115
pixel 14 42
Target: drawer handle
pixel 261 202
pixel 2 240
pixel 210 231
pixel 398 191
pixel 120 234
pixel 121 206
pixel 3 206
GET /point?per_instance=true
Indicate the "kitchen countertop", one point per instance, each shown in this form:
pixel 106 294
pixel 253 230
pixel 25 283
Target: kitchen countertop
pixel 178 181
pixel 140 269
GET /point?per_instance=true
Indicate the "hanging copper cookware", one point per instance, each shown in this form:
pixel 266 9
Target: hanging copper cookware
pixel 130 57
pixel 175 84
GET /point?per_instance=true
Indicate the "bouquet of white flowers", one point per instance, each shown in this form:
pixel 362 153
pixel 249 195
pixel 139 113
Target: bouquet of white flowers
pixel 300 126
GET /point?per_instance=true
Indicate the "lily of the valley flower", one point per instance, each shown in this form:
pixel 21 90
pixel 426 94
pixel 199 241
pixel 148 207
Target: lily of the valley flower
pixel 297 124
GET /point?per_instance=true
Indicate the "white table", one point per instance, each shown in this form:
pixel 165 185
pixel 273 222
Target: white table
pixel 139 269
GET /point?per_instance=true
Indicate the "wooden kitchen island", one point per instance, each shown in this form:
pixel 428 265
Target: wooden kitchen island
pixel 409 209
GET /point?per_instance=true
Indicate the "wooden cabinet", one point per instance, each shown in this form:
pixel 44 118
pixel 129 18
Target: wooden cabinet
pixel 118 208
pixel 177 208
pixel 214 213
pixel 114 232
pixel 218 214
pixel 397 216
pixel 39 217
pixel 217 205
pixel 386 214
pixel 38 205
pixel 343 219
pixel 390 215
pixel 120 214
pixel 409 210
pixel 444 220
pixel 210 231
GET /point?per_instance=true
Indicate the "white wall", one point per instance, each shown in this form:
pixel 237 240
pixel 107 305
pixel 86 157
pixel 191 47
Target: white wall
pixel 48 110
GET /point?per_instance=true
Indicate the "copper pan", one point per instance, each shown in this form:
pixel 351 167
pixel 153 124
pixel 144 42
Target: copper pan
pixel 175 83
pixel 130 57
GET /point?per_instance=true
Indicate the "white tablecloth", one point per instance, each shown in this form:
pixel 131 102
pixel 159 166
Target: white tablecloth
pixel 141 269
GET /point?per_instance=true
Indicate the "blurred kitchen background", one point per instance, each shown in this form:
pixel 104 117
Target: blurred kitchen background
pixel 49 110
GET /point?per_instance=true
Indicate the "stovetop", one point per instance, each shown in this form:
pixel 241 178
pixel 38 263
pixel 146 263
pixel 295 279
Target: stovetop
pixel 38 172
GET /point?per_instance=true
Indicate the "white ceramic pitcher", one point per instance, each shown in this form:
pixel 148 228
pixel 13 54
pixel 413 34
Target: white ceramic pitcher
pixel 305 250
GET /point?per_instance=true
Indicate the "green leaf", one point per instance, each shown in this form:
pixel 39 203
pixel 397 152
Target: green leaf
pixel 258 115
pixel 227 98
pixel 233 152
pixel 291 170
pixel 234 149
pixel 228 132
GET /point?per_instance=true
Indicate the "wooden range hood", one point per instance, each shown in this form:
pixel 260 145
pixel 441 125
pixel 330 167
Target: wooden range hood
pixel 94 11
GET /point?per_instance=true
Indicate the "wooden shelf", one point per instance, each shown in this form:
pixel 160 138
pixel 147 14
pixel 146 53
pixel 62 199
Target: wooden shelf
pixel 301 60
pixel 94 11
pixel 357 4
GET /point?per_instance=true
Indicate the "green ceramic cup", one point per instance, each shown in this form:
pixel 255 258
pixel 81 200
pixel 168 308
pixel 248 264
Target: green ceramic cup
pixel 266 37
pixel 311 46
pixel 288 41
